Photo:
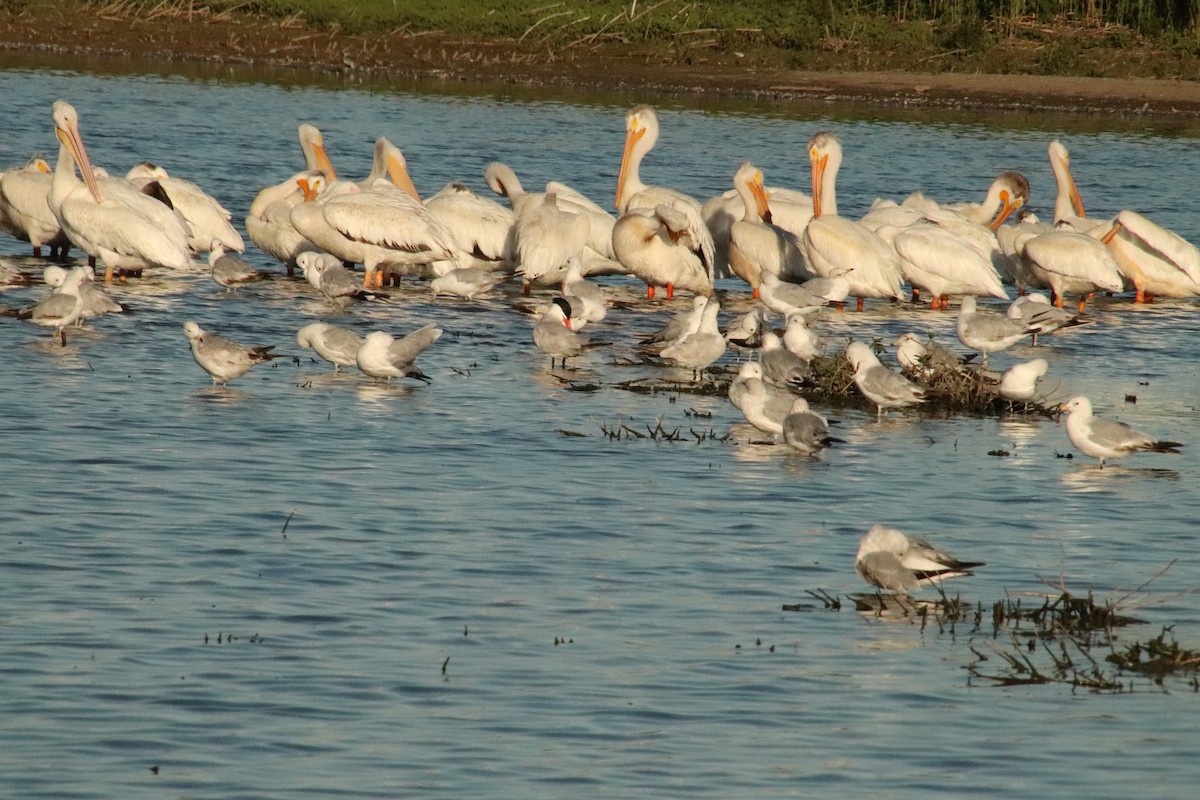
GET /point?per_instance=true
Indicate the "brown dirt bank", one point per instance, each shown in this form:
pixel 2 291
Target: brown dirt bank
pixel 251 40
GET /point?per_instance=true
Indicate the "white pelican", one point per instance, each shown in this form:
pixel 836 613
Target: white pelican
pixel 382 356
pixel 503 181
pixel 755 243
pixel 207 218
pixel 337 345
pixel 547 236
pixel 380 227
pixel 791 211
pixel 268 222
pixel 943 263
pixel 1154 260
pixel 1012 239
pixel 641 134
pixel 832 244
pixel 479 226
pixel 1105 438
pixel 1008 192
pixel 109 219
pixel 1071 263
pixel 654 245
pixel 25 208
pixel 223 358
pixel 897 563
pixel 884 388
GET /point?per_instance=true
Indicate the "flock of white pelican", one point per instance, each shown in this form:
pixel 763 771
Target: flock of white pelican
pixel 793 250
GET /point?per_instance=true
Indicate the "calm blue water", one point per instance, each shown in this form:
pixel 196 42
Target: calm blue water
pixel 309 585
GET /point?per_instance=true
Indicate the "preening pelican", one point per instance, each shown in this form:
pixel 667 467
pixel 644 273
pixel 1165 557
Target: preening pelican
pixel 943 264
pixel 641 134
pixel 1071 263
pixel 650 243
pixel 25 208
pixel 547 237
pixel 269 222
pixel 383 226
pixel 480 227
pixel 503 181
pixel 1007 193
pixel 109 219
pixel 755 244
pixel 832 244
pixel 207 218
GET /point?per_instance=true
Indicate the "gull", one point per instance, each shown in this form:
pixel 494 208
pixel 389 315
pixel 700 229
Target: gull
pixel 383 356
pixel 466 282
pixel 1104 438
pixel 917 358
pixel 1019 382
pixel 781 366
pixel 59 309
pixel 805 430
pixel 578 289
pixel 326 273
pixel 763 407
pixel 96 301
pixel 900 564
pixel 685 321
pixel 785 298
pixel 554 336
pixel 739 385
pixel 884 388
pixel 1035 309
pixel 745 332
pixel 222 358
pixel 989 332
pixel 702 348
pixel 799 338
pixel 231 271
pixel 337 345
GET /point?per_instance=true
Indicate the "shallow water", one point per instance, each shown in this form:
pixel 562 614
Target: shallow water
pixel 310 584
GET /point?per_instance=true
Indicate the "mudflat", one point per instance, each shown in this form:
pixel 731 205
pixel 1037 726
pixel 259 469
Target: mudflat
pixel 264 41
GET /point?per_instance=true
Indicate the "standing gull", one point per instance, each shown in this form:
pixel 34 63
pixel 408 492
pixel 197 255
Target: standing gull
pixel 900 564
pixel 1019 382
pixel 382 356
pixel 884 388
pixel 1105 438
pixel 988 332
pixel 337 345
pixel 222 358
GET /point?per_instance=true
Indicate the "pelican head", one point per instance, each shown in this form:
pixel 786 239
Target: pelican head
pixel 1060 164
pixel 825 154
pixel 66 128
pixel 641 134
pixel 748 180
pixel 312 144
pixel 1012 191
